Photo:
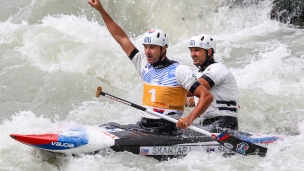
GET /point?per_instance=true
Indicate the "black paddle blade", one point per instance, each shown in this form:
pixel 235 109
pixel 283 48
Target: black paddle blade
pixel 240 146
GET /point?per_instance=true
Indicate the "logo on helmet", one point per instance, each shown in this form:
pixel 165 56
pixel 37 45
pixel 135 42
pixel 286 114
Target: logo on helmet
pixel 207 44
pixel 147 40
pixel 192 43
pixel 151 31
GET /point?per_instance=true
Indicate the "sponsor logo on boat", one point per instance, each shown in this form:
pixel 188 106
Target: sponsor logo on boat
pixel 172 150
pixel 60 144
pixel 144 151
pixel 210 150
pixel 178 150
pixel 165 150
pixel 228 145
pixel 242 148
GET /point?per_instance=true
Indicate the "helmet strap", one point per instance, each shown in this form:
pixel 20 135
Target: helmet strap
pixel 209 60
pixel 161 54
pixel 162 63
pixel 159 62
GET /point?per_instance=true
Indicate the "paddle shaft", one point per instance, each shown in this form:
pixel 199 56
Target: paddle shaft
pixel 230 142
pixel 153 112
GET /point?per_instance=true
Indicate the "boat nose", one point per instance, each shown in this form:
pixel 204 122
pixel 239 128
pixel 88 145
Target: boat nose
pixel 13 136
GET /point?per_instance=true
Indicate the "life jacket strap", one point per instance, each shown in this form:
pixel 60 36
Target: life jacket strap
pixel 228 103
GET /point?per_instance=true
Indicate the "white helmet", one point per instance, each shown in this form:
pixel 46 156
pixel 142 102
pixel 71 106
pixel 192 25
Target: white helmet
pixel 202 41
pixel 155 37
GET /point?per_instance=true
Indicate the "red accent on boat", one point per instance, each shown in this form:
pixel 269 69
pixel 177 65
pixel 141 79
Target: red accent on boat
pixel 35 139
pixel 214 137
pixel 224 137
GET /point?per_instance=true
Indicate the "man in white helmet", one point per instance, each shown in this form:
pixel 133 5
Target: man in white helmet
pixel 165 81
pixel 223 111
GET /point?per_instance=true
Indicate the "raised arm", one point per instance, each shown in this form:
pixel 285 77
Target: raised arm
pixel 116 31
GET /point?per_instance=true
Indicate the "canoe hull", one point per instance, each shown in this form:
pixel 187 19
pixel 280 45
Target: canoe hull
pixel 119 138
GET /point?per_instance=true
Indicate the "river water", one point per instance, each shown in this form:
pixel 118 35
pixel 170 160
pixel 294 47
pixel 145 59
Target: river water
pixel 54 54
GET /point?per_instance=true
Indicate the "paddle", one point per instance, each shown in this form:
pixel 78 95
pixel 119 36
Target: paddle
pixel 233 143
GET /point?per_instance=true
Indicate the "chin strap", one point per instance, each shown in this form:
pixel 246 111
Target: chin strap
pixel 162 63
pixel 209 60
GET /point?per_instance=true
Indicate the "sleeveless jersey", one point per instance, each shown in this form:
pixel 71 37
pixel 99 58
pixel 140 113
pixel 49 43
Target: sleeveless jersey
pixel 164 89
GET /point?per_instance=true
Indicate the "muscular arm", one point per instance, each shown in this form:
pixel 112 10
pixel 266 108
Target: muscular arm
pixel 115 30
pixel 204 83
pixel 205 99
pixel 190 100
